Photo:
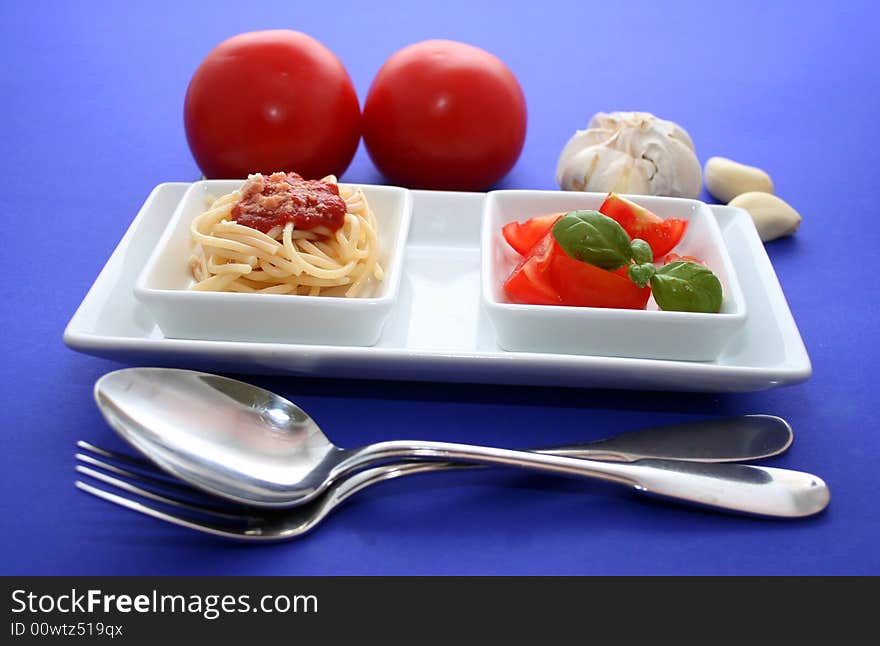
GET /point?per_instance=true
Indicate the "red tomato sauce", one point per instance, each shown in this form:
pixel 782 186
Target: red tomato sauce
pixel 267 202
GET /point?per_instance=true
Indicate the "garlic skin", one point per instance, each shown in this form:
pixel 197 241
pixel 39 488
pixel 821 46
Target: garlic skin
pixel 631 152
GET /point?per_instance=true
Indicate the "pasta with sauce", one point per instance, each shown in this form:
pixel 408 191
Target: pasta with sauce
pixel 284 235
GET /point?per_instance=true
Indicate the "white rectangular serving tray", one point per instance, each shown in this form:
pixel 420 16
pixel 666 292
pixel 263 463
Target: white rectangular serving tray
pixel 437 330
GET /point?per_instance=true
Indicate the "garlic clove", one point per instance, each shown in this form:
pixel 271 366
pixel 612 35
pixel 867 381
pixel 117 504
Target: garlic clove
pixel 592 167
pixel 676 169
pixel 725 179
pixel 680 134
pixel 773 216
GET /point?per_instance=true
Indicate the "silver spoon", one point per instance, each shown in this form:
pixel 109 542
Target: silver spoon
pixel 247 444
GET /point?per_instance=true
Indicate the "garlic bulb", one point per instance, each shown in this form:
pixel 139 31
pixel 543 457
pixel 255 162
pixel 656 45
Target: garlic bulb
pixel 630 152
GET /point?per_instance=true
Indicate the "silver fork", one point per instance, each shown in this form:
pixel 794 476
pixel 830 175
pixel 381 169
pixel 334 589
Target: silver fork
pixel 188 507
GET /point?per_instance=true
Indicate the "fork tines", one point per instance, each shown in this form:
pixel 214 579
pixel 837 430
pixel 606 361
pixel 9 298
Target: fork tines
pixel 134 483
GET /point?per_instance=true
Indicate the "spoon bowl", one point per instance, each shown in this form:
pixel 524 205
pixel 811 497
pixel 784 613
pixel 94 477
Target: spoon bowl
pixel 225 436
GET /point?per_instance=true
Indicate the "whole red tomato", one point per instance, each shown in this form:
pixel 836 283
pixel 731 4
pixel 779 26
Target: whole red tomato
pixel 269 101
pixel 445 115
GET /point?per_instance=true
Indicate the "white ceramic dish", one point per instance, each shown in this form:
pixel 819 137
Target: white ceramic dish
pixel 163 285
pixel 651 333
pixel 436 330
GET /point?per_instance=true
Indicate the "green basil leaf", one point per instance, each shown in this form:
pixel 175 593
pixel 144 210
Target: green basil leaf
pixel 686 287
pixel 641 274
pixel 594 238
pixel 641 251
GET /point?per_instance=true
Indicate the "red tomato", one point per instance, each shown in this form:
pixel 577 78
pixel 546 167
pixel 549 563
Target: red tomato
pixel 638 222
pixel 529 281
pixel 444 115
pixel 269 101
pixel 522 236
pixel 548 276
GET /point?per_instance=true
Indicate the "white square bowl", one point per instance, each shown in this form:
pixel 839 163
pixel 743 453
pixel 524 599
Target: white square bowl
pixel 163 285
pixel 648 334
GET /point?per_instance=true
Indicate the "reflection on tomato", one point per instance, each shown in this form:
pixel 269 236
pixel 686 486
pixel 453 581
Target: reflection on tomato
pixel 674 257
pixel 271 101
pixel 444 115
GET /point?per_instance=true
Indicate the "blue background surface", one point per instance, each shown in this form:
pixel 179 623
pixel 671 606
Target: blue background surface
pixel 91 108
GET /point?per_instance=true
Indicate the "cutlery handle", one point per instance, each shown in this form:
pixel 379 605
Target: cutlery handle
pixel 740 488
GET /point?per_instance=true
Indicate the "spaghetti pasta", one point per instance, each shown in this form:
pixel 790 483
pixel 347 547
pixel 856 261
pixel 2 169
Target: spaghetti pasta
pixel 317 261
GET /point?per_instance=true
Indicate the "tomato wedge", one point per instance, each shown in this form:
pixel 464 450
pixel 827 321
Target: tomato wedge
pixel 549 276
pixel 638 222
pixel 529 283
pixel 522 236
